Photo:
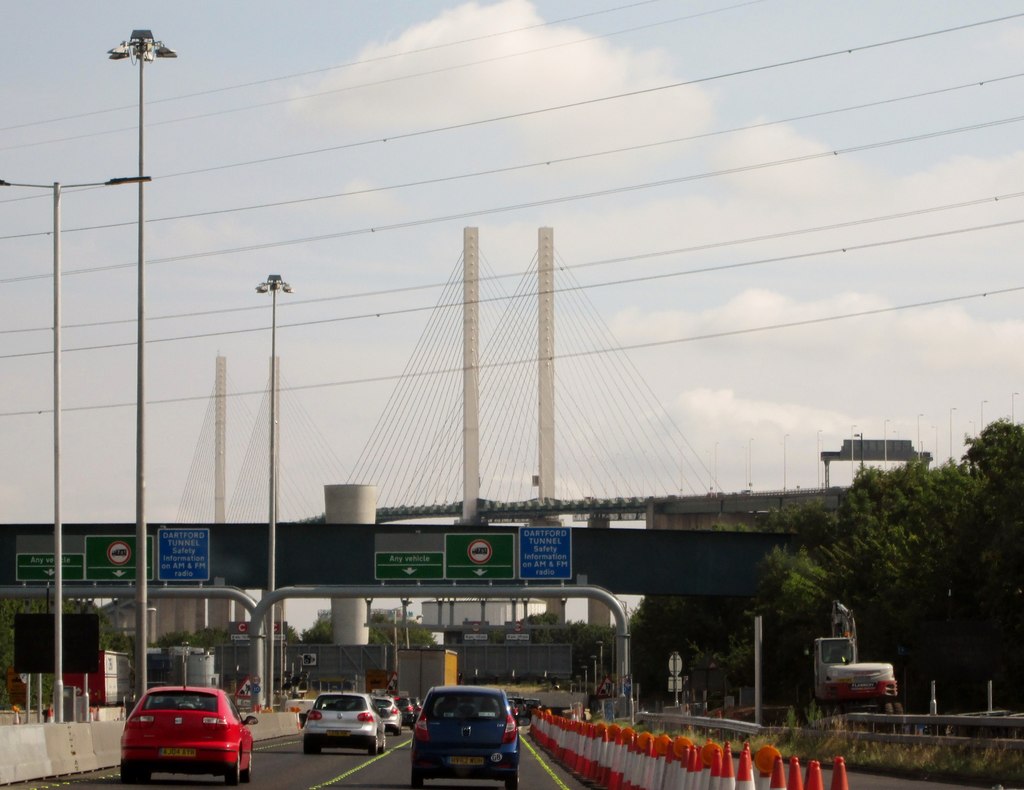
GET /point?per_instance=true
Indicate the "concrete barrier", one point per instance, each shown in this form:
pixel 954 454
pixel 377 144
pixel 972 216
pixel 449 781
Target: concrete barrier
pixel 106 742
pixel 23 753
pixel 36 751
pixel 275 725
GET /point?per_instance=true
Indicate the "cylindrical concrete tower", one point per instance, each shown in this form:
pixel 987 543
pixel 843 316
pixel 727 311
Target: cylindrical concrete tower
pixel 350 504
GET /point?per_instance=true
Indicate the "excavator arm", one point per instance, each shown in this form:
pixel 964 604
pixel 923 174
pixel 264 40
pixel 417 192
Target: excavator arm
pixel 843 623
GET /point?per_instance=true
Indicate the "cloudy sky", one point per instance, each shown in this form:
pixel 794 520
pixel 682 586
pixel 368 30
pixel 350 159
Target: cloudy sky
pixel 793 221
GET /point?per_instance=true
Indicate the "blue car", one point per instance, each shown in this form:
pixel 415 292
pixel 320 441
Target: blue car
pixel 465 732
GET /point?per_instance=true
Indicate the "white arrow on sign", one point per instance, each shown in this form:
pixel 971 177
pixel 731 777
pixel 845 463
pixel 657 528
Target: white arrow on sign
pixel 480 571
pixel 119 573
pixel 410 571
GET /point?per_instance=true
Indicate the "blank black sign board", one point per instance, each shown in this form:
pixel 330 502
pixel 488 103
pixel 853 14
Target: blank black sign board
pixel 33 642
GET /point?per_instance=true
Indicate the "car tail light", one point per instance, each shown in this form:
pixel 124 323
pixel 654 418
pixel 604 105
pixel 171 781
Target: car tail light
pixel 215 721
pixel 511 730
pixel 314 715
pixel 420 732
pixel 365 716
pixel 140 721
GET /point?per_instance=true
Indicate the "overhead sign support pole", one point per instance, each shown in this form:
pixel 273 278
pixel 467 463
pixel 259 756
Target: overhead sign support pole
pixel 438 591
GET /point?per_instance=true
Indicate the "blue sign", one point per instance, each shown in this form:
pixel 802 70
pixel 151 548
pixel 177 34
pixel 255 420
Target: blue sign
pixel 545 553
pixel 184 554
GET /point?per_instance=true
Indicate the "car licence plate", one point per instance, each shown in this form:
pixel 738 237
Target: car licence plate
pixel 466 760
pixel 173 751
pixel 338 733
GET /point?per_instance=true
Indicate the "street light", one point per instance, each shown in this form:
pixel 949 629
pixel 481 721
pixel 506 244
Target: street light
pixel 750 464
pixel 594 659
pixel 141 47
pixel 951 410
pixel 784 438
pixel 273 284
pixel 58 526
pixel 919 416
pixel 817 461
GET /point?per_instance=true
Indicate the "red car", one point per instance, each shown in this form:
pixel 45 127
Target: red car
pixel 186 730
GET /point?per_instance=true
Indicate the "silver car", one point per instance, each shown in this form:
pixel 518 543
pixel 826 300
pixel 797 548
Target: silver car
pixel 344 720
pixel 389 713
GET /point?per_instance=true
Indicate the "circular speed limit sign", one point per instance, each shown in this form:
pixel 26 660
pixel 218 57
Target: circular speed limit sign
pixel 479 551
pixel 119 552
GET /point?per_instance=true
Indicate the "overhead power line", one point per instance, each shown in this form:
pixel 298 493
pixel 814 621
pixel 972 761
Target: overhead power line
pixel 367 61
pixel 533 361
pixel 549 162
pixel 473 213
pixel 295 303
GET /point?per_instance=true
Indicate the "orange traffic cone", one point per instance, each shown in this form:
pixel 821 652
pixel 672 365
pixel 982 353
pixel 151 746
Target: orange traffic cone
pixel 814 780
pixel 779 775
pixel 839 775
pixel 694 768
pixel 745 772
pixel 764 761
pixel 727 777
pixel 796 781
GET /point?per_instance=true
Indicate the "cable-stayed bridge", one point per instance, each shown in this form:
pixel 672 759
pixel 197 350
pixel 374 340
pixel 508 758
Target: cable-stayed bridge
pixel 507 409
pixel 504 399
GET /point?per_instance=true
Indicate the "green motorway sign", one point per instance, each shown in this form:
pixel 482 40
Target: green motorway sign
pixel 409 565
pixel 112 558
pixel 487 556
pixel 42 568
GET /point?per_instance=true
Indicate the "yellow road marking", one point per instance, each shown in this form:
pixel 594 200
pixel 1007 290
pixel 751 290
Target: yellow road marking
pixel 360 767
pixel 544 764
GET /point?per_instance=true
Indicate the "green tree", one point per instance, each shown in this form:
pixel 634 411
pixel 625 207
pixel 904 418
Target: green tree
pixel 206 638
pixel 995 461
pixel 321 632
pixel 792 602
pixel 715 629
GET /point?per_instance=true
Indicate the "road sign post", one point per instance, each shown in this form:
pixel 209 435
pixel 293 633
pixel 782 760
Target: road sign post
pixel 675 666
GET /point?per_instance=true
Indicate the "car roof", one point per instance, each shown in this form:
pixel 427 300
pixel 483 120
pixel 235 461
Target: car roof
pixel 466 690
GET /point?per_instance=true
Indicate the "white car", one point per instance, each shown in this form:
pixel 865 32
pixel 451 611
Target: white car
pixel 389 714
pixel 344 720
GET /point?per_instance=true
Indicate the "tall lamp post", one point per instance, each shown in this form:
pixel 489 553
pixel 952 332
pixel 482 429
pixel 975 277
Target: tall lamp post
pixel 58 526
pixel 273 284
pixel 785 438
pixel 141 47
pixel 951 410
